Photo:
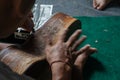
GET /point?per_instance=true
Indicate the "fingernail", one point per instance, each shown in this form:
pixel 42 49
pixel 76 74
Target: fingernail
pixel 88 45
pixel 84 36
pixel 95 50
pixel 79 30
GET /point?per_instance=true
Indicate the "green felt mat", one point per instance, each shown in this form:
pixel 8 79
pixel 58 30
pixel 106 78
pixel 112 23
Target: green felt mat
pixel 104 34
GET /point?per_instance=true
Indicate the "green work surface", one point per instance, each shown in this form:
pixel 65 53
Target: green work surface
pixel 104 34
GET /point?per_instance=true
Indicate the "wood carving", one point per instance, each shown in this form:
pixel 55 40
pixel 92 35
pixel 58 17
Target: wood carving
pixel 29 57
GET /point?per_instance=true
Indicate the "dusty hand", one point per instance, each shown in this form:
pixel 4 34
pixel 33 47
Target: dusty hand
pixel 82 56
pixel 62 51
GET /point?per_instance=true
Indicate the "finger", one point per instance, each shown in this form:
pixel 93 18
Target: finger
pixel 83 49
pixel 95 4
pixel 81 58
pixel 92 50
pixel 101 6
pixel 73 37
pixel 77 43
pixel 88 52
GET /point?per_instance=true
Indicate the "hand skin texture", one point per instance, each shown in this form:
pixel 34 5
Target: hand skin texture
pixel 64 59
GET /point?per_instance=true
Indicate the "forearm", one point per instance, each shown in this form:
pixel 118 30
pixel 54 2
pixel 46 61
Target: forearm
pixel 61 71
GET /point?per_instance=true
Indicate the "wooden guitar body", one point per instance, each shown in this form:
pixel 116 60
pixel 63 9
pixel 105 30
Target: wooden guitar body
pixel 29 58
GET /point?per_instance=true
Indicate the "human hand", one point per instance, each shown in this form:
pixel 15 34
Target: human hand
pixel 62 50
pixel 80 59
pixel 82 56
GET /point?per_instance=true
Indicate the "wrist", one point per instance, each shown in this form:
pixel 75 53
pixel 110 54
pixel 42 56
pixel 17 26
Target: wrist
pixel 60 71
pixel 60 65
